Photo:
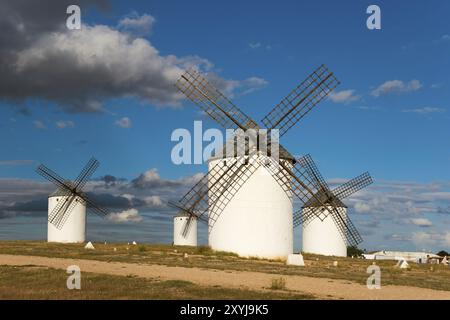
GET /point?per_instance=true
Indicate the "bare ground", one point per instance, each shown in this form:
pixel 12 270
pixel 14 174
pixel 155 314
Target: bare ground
pixel 320 287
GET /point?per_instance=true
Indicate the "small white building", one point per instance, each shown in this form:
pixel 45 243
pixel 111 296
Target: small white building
pixel 417 257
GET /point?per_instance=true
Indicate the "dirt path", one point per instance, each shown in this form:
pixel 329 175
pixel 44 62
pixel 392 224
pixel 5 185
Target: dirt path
pixel 320 287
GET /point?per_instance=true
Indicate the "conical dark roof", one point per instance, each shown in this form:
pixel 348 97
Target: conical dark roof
pixel 323 197
pixel 231 144
pixel 61 191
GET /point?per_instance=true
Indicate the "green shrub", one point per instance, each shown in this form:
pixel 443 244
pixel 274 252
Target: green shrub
pixel 278 284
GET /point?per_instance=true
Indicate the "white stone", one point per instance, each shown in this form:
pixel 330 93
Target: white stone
pixel 89 246
pixel 335 263
pixel 134 243
pixel 402 264
pixel 295 260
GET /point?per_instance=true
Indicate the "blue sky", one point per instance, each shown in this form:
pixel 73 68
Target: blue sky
pixel 391 117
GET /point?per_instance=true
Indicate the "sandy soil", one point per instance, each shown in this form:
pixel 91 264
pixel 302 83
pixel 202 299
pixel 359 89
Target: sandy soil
pixel 319 287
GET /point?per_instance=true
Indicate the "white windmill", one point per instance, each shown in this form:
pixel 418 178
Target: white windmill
pixel 247 199
pixel 67 205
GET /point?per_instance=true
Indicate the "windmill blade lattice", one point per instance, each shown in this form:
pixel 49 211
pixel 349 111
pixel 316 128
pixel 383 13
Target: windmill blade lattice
pixel 213 102
pixel 329 196
pixel 71 193
pixel 347 189
pixel 301 100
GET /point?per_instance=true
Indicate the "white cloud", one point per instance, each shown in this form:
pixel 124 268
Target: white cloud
pixel 130 215
pixel 237 87
pixel 421 222
pixel 436 85
pixel 128 196
pixel 151 175
pixel 424 110
pixel 438 195
pixel 154 201
pixel 254 45
pixel 344 96
pixel 362 207
pixel 64 124
pixel 446 37
pixel 39 124
pixel 137 24
pixel 15 162
pixel 125 122
pixel 423 239
pixel 447 239
pixel 94 58
pixel 393 86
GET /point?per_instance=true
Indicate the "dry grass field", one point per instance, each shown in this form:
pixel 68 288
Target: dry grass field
pixel 435 277
pixel 34 282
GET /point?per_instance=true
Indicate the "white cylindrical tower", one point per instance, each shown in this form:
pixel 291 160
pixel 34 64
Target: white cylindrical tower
pixel 74 229
pixel 180 237
pixel 322 236
pixel 257 222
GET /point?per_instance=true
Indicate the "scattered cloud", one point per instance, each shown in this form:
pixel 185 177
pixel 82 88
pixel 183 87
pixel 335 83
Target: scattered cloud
pixel 148 193
pixel 421 222
pixel 367 108
pixel 151 179
pixel 436 85
pixel 130 215
pixel 400 205
pixel 125 123
pixel 139 25
pixel 16 162
pixel 233 88
pixel 397 237
pixel 428 239
pixel 445 37
pixel 344 96
pixel 396 86
pixel 39 125
pixel 361 207
pixel 259 45
pixel 254 45
pixel 424 110
pixel 61 124
pixel 154 201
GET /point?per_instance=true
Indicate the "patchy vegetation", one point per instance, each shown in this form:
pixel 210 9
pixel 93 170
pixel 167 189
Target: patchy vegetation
pixel 32 282
pixel 420 275
pixel 278 284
